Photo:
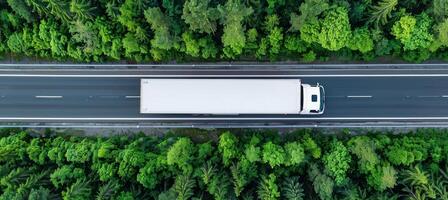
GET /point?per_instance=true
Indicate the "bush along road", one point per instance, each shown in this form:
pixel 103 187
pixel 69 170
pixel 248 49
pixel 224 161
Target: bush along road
pixel 214 30
pixel 233 164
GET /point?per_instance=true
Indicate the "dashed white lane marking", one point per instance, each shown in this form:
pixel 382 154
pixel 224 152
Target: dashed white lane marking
pixel 429 96
pixel 360 96
pixel 132 97
pixel 48 97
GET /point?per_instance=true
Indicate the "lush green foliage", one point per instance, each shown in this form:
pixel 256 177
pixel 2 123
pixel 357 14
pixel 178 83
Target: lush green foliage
pixel 241 164
pixel 212 30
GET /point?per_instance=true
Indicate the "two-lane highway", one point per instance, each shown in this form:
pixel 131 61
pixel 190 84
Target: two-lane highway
pixel 102 98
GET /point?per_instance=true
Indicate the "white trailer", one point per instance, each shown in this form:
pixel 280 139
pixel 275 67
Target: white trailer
pixel 230 96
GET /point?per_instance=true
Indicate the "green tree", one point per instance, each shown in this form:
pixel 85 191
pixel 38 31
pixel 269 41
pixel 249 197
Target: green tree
pixel 267 188
pixel 160 24
pixel 150 175
pixel 86 35
pixel 59 9
pixel 130 159
pixel 41 193
pixel 234 40
pixel 79 152
pixel 337 161
pixel 273 4
pixel 309 11
pixel 21 8
pixel 228 147
pixel 273 154
pixel 381 12
pixel 292 189
pixel 108 190
pixel 219 186
pixel 310 146
pixel 82 9
pixel 181 154
pixel 106 171
pixel 208 47
pixel 440 9
pixel 364 148
pixel 294 154
pixel 383 177
pixel 252 41
pixel 322 184
pixel 132 46
pixel 183 186
pixel 442 33
pixel 66 174
pixel 417 181
pixel 17 44
pixel 78 191
pixel 253 153
pixel 13 147
pixel 406 151
pixel 275 35
pixel 361 40
pixel 36 151
pixel 413 32
pixel 191 44
pixel 335 29
pixel 199 16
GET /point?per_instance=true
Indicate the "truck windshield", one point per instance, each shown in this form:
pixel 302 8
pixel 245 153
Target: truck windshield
pixel 301 98
pixel 322 99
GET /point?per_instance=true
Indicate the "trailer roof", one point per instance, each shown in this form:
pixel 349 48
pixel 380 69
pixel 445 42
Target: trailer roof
pixel 220 96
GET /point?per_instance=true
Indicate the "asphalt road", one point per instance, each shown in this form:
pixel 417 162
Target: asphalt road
pixel 354 98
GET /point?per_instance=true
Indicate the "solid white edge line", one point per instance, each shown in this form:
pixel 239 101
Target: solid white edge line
pixel 219 65
pixel 230 76
pixel 219 70
pixel 225 118
pixel 48 97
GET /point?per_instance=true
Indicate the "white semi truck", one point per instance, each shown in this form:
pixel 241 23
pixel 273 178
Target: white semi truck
pixel 230 96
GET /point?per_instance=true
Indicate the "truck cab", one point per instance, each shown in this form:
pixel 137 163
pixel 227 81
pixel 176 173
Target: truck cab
pixel 313 99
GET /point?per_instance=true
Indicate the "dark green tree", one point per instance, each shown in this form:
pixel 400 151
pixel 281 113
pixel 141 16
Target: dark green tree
pixel 382 12
pixel 22 9
pixel 267 188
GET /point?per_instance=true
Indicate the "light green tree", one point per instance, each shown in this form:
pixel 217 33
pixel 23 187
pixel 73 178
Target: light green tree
pixel 228 147
pixel 232 15
pixel 294 153
pixel 181 154
pixel 160 24
pixel 414 33
pixel 335 29
pixel 273 154
pixel 199 16
pixel 337 162
pixel 361 40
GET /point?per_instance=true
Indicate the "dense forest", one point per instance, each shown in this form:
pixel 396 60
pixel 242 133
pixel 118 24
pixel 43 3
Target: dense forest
pixel 213 30
pixel 226 164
